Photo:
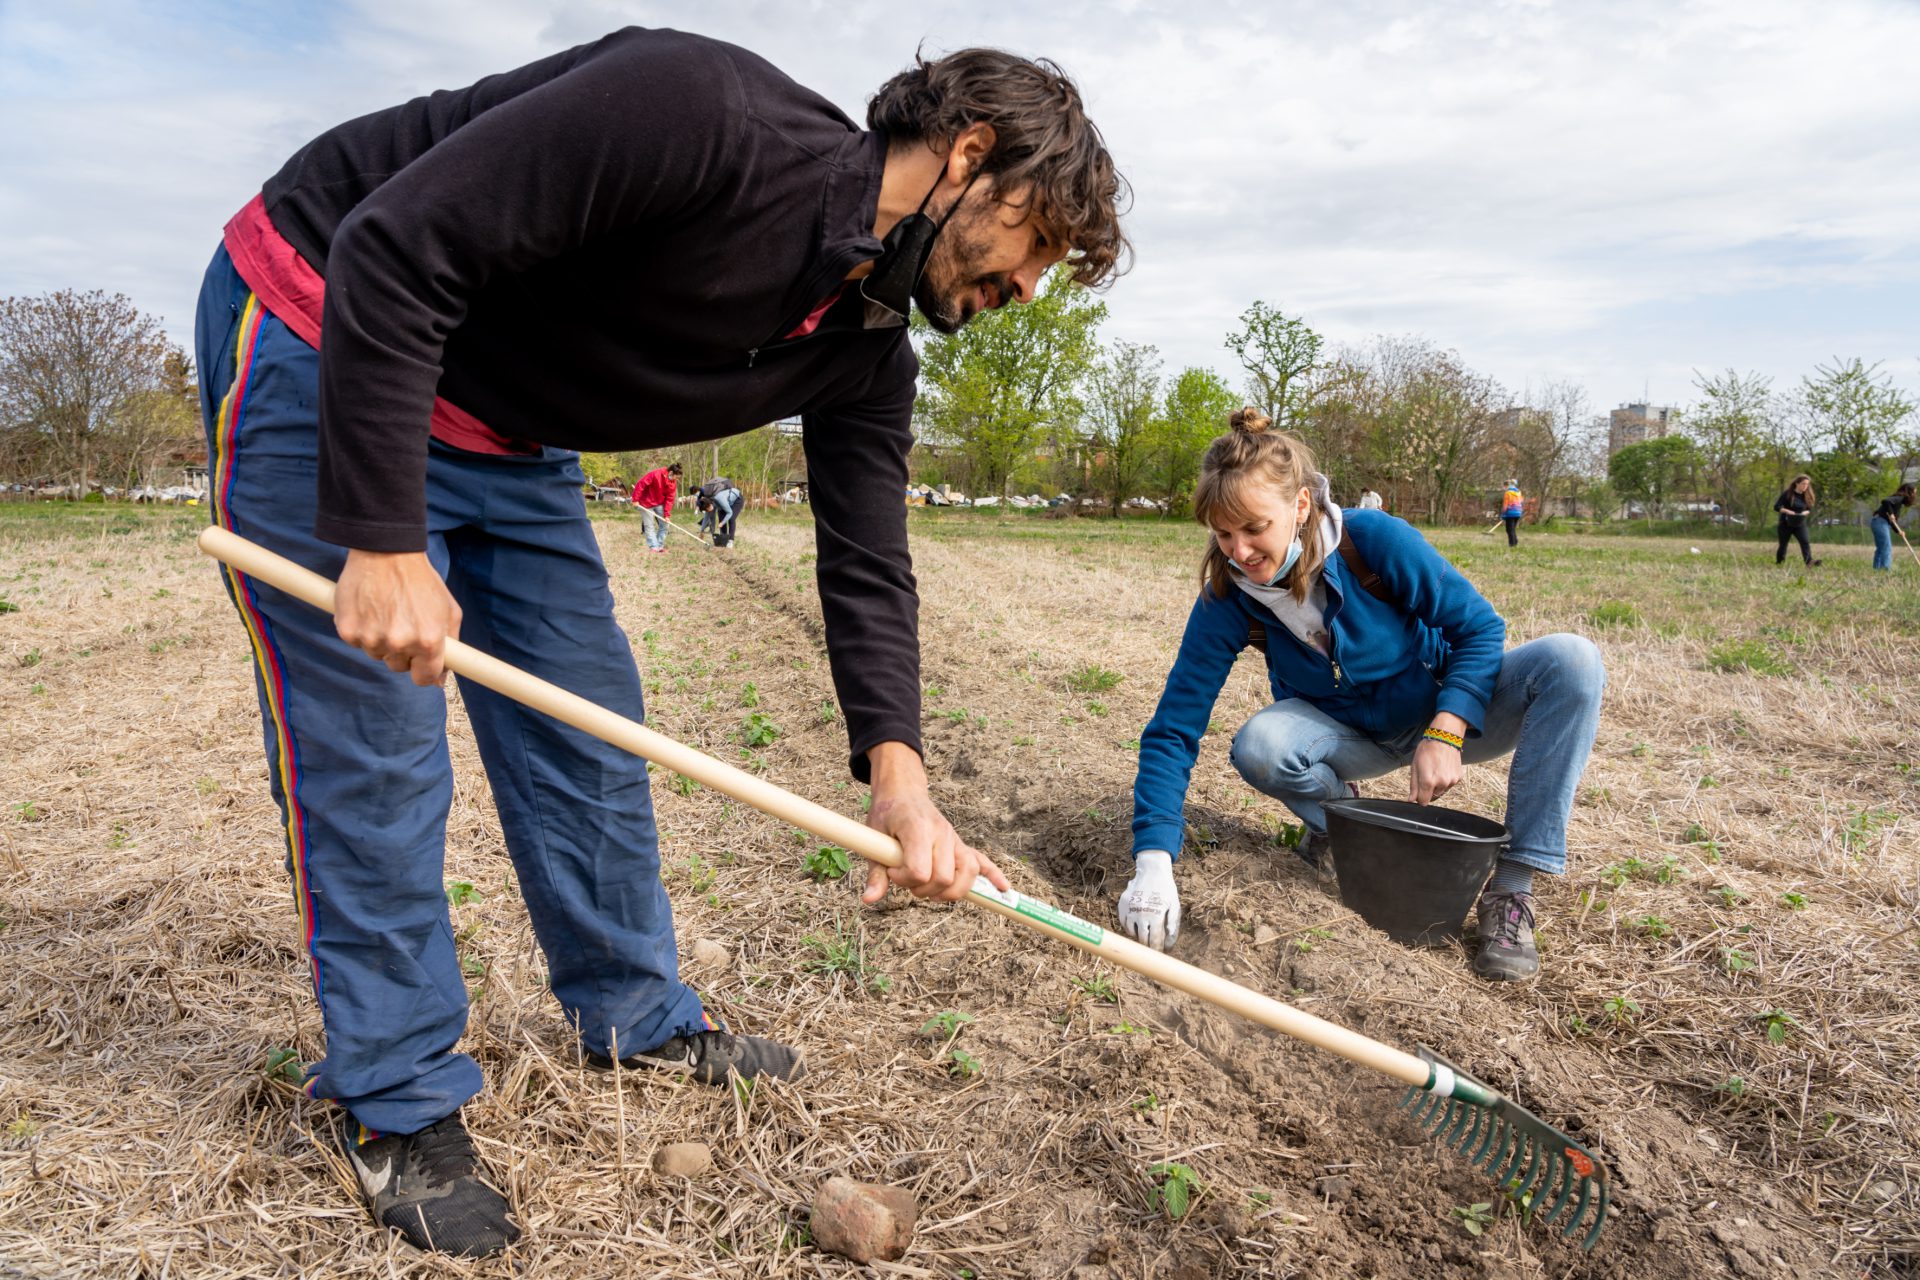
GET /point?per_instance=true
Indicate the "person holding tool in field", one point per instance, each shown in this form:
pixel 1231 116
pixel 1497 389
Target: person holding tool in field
pixel 718 501
pixel 1513 505
pixel 654 496
pixel 1886 519
pixel 1379 655
pixel 501 273
pixel 1794 506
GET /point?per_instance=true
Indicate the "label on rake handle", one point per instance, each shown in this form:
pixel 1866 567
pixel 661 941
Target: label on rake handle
pixel 1033 909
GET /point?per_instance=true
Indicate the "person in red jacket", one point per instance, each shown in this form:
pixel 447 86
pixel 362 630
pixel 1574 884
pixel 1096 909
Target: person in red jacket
pixel 654 496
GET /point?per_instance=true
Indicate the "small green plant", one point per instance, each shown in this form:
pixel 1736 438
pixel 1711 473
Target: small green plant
pixel 1779 1024
pixel 961 1064
pixel 1474 1218
pixel 1641 750
pixel 1621 1010
pixel 1793 901
pixel 1735 961
pixel 1860 828
pixel 1148 1101
pixel 1730 896
pixel 473 967
pixel 682 785
pixel 932 691
pixel 749 695
pixel 1748 655
pixel 31 658
pixel 828 862
pixel 461 892
pixel 8 606
pixel 1099 987
pixel 700 873
pixel 1096 709
pixel 1579 1025
pixel 841 952
pixel 759 730
pixel 1653 927
pixel 285 1064
pixel 1093 679
pixel 828 711
pixel 20 1128
pixel 1175 1188
pixel 1614 613
pixel 946 1025
pixel 1732 1086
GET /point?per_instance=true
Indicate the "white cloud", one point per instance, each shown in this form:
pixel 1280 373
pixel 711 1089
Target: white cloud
pixel 1526 182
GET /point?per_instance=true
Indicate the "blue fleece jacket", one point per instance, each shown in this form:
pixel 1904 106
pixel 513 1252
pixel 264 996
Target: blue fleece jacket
pixel 1436 647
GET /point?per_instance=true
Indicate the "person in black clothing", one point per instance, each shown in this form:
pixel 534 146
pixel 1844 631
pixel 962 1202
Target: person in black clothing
pixel 504 273
pixel 1794 506
pixel 719 501
pixel 1886 518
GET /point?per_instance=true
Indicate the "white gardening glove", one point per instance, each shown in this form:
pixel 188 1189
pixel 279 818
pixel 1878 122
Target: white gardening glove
pixel 1150 905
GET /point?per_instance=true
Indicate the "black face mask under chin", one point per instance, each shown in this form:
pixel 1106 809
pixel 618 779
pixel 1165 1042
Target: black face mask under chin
pixel 888 289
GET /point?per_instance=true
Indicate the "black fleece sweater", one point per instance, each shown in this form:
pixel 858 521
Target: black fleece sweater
pixel 601 250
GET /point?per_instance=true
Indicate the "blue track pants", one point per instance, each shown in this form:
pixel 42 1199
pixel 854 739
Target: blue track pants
pixel 357 754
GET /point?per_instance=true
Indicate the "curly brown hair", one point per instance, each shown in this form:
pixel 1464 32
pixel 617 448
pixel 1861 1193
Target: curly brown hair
pixel 1042 139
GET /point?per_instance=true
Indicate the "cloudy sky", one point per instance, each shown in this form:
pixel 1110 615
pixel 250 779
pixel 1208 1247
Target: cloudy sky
pixel 1615 194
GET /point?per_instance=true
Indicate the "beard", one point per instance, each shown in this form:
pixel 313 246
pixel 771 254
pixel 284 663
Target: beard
pixel 948 294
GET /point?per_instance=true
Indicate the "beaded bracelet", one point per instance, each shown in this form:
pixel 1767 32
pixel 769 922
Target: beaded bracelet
pixel 1453 740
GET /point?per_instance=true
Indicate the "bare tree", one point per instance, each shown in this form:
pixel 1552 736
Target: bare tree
pixel 1278 351
pixel 77 371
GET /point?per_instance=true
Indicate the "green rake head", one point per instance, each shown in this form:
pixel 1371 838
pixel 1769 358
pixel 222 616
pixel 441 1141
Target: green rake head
pixel 1537 1165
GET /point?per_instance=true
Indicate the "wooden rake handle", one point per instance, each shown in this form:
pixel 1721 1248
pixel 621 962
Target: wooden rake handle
pixel 303 584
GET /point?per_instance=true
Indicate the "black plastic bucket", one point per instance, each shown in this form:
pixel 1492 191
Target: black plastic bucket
pixel 1411 870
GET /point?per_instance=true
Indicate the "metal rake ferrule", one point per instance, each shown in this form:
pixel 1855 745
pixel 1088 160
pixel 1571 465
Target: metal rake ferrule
pixel 1537 1166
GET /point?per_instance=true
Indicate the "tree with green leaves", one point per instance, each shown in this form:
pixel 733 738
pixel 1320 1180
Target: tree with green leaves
pixel 1857 408
pixel 1279 353
pixel 1123 392
pixel 1730 429
pixel 1653 473
pixel 1197 408
pixel 1009 379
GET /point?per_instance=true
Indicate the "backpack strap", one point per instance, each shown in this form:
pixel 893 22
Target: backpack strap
pixel 1356 565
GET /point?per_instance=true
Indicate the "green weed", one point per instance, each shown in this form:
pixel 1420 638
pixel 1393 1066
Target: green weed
pixel 461 892
pixel 828 862
pixel 1614 613
pixel 1175 1189
pixel 1099 987
pixel 1093 679
pixel 1748 655
pixel 1778 1023
pixel 759 730
pixel 1474 1218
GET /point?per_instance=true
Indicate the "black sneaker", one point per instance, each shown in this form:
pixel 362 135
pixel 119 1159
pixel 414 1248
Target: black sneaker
pixel 708 1056
pixel 1507 953
pixel 428 1186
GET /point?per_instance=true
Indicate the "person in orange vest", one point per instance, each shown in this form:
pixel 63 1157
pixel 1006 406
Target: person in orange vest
pixel 654 496
pixel 1513 505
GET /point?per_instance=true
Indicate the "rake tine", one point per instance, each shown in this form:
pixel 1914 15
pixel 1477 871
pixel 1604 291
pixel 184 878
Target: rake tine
pixel 1494 1137
pixel 1562 1177
pixel 1460 1112
pixel 1433 1115
pixel 1480 1121
pixel 1599 1218
pixel 1580 1208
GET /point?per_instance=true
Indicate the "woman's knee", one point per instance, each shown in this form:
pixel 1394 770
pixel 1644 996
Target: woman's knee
pixel 1575 662
pixel 1269 752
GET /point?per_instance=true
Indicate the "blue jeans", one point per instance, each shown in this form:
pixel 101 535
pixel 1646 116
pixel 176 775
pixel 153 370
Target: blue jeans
pixel 1882 543
pixel 1545 710
pixel 654 519
pixel 357 755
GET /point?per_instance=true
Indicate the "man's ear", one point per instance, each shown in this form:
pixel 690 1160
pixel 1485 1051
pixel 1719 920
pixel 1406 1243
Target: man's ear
pixel 970 149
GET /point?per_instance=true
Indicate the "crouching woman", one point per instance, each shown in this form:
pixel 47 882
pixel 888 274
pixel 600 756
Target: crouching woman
pixel 1379 654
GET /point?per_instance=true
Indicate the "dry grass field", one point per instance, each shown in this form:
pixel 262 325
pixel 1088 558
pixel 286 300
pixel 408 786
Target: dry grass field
pixel 1727 1012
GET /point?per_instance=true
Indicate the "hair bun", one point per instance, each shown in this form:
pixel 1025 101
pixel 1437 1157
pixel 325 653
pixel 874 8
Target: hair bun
pixel 1250 421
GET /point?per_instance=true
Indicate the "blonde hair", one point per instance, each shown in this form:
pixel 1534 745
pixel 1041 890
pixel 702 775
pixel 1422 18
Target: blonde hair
pixel 1252 459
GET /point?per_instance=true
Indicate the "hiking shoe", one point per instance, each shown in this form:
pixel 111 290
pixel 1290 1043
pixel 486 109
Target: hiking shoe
pixel 708 1056
pixel 1316 850
pixel 1506 952
pixel 428 1186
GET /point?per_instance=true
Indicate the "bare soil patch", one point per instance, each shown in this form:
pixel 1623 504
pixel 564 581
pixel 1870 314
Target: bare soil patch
pixel 1744 849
